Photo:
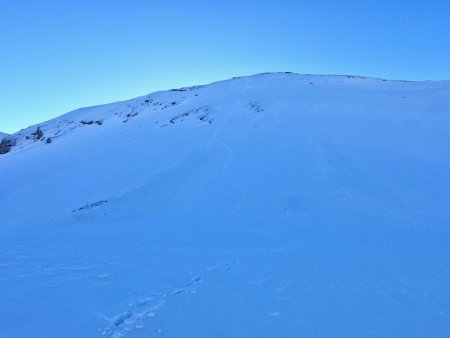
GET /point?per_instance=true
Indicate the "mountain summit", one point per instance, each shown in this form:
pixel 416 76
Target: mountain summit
pixel 275 205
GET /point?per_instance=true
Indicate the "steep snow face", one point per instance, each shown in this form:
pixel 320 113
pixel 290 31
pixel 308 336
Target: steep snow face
pixel 277 205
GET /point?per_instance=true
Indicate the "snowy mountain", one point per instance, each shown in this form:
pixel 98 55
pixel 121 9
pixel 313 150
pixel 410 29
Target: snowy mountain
pixel 276 205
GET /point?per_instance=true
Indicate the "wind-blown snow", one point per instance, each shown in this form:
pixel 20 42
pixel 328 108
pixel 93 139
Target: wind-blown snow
pixel 277 205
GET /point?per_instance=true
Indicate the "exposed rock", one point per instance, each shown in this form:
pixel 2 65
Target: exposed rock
pixel 37 135
pixel 6 144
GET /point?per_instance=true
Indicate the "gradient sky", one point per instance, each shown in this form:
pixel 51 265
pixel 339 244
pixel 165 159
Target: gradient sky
pixel 58 55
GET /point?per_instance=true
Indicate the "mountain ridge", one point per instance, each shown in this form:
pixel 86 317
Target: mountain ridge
pixel 271 206
pixel 341 76
pixel 82 113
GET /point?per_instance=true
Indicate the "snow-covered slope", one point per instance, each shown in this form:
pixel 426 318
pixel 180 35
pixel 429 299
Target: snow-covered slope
pixel 277 205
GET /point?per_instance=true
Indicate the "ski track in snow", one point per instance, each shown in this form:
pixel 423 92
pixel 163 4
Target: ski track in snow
pixel 140 311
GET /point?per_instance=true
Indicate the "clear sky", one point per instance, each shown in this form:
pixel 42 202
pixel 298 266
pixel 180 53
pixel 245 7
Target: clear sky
pixel 58 55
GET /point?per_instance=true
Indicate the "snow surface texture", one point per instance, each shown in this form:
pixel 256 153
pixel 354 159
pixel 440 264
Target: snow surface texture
pixel 277 205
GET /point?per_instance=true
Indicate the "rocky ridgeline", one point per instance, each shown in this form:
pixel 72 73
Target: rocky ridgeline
pixel 8 142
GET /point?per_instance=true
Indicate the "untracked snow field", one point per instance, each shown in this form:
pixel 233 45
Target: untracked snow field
pixel 276 205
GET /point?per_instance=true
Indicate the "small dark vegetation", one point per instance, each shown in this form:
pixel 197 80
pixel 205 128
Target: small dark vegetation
pixel 201 114
pixel 356 77
pixel 186 89
pixel 256 107
pixel 91 205
pixel 179 117
pixel 147 102
pixel 130 116
pixel 90 122
pixel 132 113
pixel 205 118
pixel 170 104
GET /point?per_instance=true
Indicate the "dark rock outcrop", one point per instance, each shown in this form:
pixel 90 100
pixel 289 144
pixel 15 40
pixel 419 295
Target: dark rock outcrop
pixel 6 144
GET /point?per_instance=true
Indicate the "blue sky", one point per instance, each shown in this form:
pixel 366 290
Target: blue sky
pixel 58 55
